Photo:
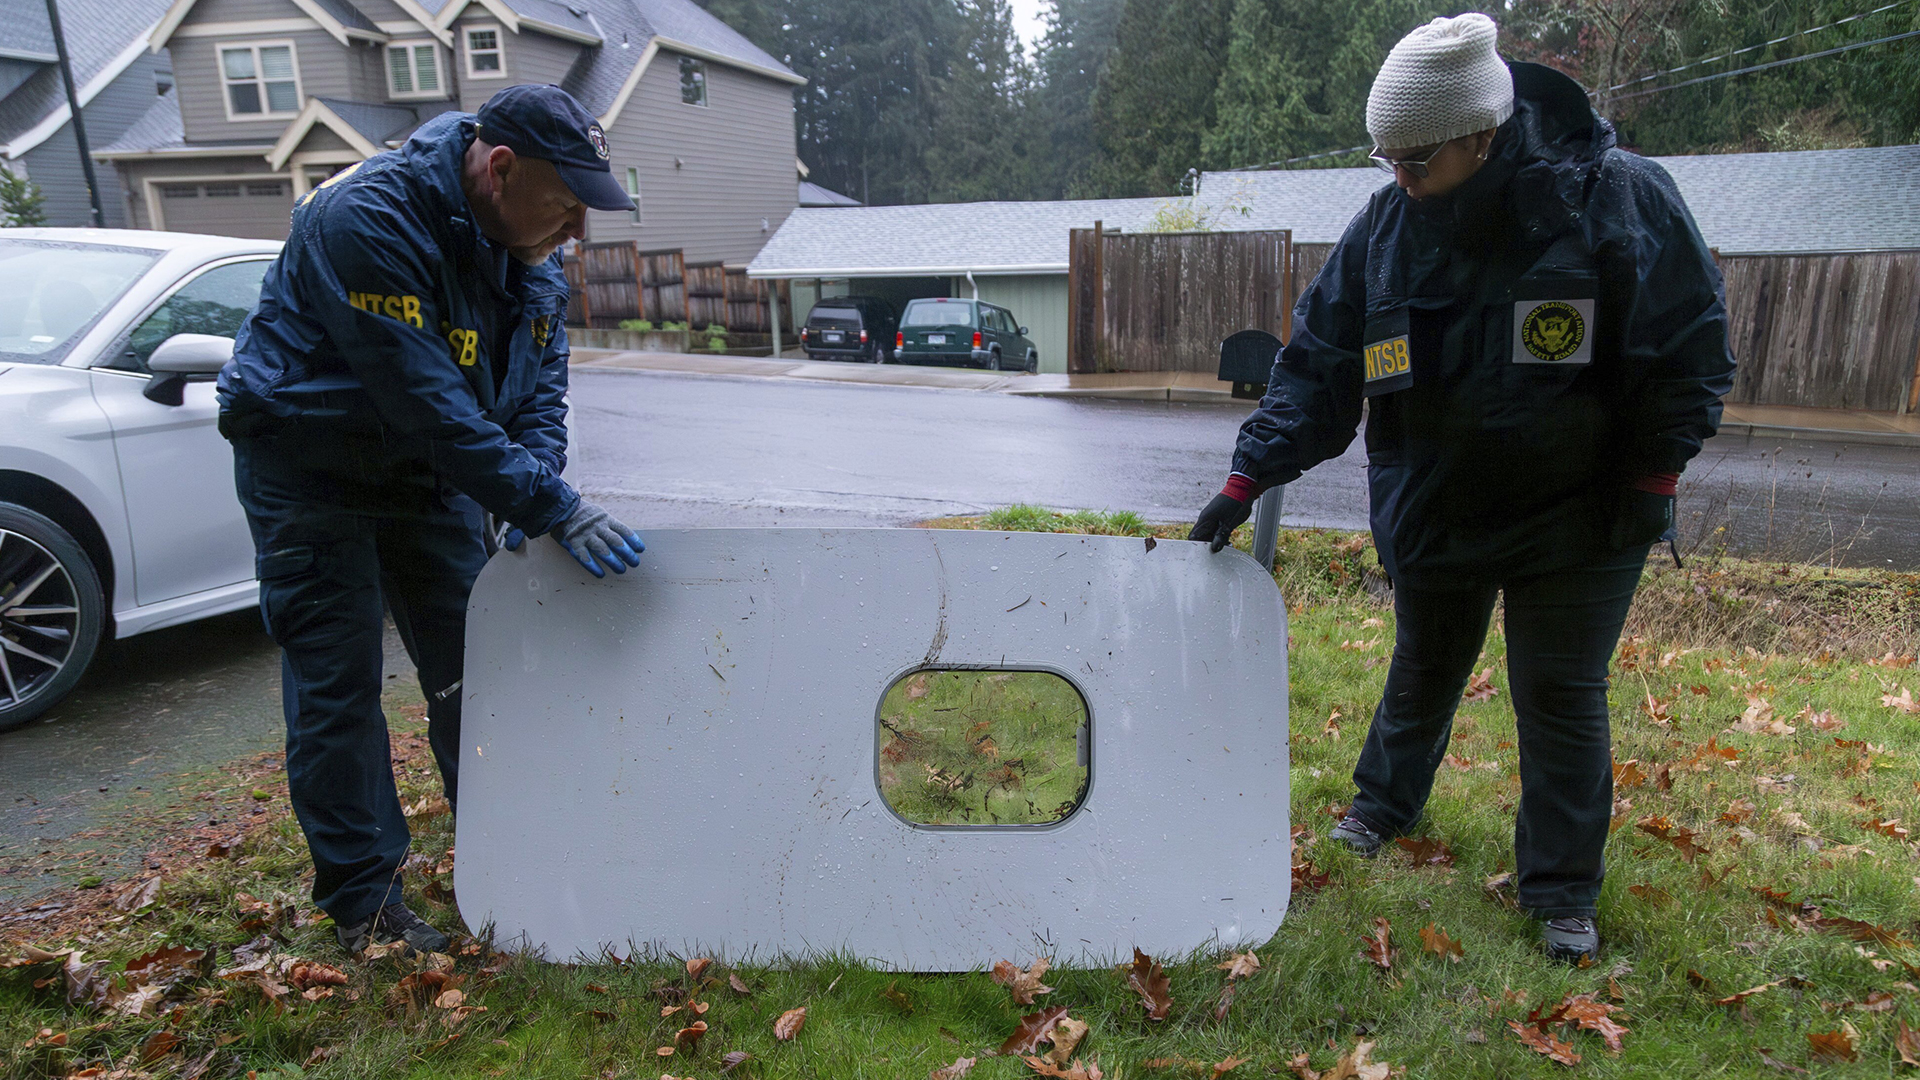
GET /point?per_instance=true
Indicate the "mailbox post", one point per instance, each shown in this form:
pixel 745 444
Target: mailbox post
pixel 1246 361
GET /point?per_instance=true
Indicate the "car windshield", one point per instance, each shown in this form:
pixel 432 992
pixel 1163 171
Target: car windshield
pixel 939 313
pixel 51 293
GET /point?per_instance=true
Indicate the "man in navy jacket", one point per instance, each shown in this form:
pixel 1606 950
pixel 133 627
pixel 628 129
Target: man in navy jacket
pixel 407 368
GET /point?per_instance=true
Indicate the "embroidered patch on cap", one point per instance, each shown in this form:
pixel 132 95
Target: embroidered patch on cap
pixel 599 140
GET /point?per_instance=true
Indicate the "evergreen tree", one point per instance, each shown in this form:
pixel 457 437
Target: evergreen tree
pixel 1081 35
pixel 979 145
pixel 763 22
pixel 21 202
pixel 1297 76
pixel 1155 103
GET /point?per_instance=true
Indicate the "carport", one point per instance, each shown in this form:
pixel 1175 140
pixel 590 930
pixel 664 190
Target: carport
pixel 1013 254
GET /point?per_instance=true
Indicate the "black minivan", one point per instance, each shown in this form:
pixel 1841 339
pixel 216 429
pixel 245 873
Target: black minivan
pixel 850 328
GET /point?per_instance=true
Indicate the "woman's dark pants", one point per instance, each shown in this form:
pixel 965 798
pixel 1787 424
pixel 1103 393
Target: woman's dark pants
pixel 1561 630
pixel 340 533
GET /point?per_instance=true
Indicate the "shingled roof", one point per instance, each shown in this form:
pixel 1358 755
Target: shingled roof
pixel 103 37
pixel 1804 201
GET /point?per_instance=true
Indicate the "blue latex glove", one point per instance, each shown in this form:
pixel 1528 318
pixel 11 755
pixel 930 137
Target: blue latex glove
pixel 513 539
pixel 596 538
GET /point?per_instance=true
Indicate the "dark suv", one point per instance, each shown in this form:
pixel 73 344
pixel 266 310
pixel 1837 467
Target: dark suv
pixel 971 332
pixel 850 328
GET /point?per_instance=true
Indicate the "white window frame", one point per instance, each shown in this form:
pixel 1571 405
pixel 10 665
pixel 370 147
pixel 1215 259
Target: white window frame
pixel 499 49
pixel 706 88
pixel 633 192
pixel 259 80
pixel 413 70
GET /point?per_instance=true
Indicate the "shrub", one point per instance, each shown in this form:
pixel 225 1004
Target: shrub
pixel 635 324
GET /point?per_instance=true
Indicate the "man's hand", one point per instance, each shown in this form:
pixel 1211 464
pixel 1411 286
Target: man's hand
pixel 1642 517
pixel 1217 522
pixel 597 538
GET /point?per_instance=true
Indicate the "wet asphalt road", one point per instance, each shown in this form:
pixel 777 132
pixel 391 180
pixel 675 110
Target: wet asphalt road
pixel 668 451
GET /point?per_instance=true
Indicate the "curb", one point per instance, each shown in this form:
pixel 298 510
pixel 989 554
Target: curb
pixel 1169 387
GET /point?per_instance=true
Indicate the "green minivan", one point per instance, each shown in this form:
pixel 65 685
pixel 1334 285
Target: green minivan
pixel 969 332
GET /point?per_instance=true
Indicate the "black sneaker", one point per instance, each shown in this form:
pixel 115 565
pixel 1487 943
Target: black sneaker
pixel 1359 839
pixel 395 922
pixel 1572 939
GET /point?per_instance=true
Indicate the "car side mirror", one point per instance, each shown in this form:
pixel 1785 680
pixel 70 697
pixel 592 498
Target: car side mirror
pixel 181 359
pixel 1023 331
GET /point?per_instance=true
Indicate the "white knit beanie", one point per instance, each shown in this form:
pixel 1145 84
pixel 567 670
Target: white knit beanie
pixel 1440 82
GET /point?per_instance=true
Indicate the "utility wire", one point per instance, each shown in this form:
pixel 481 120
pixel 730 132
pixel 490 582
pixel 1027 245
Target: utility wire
pixel 1669 71
pixel 1296 160
pixel 1752 48
pixel 1770 64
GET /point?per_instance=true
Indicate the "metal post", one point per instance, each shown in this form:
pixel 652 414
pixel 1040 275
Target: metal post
pixel 1266 526
pixel 79 122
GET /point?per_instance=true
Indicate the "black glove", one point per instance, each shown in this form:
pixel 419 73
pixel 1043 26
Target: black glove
pixel 1642 518
pixel 1217 522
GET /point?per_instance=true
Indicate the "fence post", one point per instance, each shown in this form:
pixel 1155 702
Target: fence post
pixel 1099 293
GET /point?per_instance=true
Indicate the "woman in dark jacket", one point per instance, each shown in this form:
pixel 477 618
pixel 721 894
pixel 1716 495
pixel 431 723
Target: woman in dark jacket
pixel 1538 334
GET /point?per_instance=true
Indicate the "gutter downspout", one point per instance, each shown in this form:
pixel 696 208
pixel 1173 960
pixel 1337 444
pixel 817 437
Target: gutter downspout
pixel 974 285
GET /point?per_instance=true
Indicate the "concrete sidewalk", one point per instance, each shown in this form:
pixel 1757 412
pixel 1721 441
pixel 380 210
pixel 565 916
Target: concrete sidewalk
pixel 1753 421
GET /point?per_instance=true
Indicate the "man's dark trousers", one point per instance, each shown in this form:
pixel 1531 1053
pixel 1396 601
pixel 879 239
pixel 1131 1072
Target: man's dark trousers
pixel 341 528
pixel 1561 631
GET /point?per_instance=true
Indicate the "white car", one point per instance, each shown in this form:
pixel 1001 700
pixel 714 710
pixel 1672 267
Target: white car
pixel 117 506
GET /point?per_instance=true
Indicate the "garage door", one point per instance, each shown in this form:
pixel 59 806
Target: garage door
pixel 253 208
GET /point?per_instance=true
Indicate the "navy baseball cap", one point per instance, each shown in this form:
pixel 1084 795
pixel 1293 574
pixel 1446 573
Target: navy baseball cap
pixel 545 122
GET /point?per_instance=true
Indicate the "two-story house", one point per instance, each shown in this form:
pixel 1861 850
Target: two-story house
pixel 115 76
pixel 273 96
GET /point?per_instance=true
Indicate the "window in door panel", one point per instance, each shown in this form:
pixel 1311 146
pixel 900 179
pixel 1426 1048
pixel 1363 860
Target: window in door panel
pixel 958 748
pixel 216 302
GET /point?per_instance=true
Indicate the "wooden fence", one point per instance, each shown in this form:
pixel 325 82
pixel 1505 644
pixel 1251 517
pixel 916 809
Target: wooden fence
pixel 1826 330
pixel 1836 331
pixel 1163 301
pixel 616 281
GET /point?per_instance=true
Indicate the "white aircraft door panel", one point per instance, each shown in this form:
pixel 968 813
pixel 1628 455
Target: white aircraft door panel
pixel 684 757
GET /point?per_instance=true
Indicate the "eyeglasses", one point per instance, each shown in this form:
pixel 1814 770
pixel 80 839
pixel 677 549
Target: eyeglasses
pixel 1415 166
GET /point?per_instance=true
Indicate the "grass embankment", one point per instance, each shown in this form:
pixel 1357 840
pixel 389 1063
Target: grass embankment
pixel 1745 855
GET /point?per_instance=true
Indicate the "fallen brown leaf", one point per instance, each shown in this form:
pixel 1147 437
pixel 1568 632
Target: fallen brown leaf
pixel 1075 1071
pixel 734 1060
pixel 1065 1036
pixel 1357 1064
pixel 1227 1064
pixel 1480 688
pixel 955 1071
pixel 789 1023
pixel 1541 1042
pixel 899 1000
pixel 1152 984
pixel 1435 940
pixel 1240 965
pixel 1907 1041
pixel 698 966
pixel 1426 851
pixel 1034 1029
pixel 739 987
pixel 1022 984
pixel 1840 1044
pixel 1379 944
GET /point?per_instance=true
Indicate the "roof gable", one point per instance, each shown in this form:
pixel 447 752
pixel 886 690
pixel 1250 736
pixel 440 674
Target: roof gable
pixel 104 38
pixel 339 18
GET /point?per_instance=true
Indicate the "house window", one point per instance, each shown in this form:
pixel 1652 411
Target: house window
pixel 693 81
pixel 413 70
pixel 633 192
pixel 261 81
pixel 484 60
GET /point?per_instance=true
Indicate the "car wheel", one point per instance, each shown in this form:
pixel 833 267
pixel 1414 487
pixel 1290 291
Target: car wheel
pixel 1033 363
pixel 993 360
pixel 51 614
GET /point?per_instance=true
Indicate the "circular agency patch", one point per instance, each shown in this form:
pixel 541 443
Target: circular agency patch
pixel 1553 331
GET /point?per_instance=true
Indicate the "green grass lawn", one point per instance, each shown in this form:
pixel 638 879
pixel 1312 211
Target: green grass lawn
pixel 1743 855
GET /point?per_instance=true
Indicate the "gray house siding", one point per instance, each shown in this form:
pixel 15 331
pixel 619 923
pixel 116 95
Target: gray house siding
pixel 55 164
pixel 533 57
pixel 475 92
pixel 325 68
pixel 383 11
pixel 737 163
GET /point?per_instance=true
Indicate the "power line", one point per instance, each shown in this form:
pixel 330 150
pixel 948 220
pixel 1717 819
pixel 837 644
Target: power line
pixel 1297 160
pixel 1770 64
pixel 1753 48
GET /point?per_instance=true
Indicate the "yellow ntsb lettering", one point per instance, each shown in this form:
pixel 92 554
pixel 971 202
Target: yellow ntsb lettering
pixel 404 309
pixel 1387 358
pixel 466 346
